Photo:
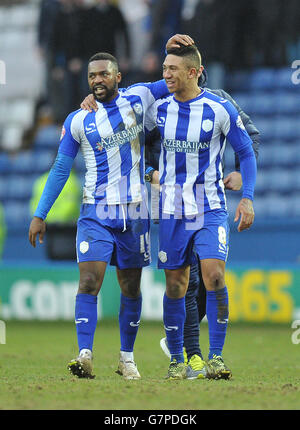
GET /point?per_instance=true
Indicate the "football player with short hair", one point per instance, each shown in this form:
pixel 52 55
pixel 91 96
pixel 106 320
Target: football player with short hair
pixel 194 125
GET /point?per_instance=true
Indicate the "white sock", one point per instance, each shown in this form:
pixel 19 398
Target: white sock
pixel 85 351
pixel 126 356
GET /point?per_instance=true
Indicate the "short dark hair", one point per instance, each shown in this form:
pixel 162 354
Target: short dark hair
pixel 105 56
pixel 190 53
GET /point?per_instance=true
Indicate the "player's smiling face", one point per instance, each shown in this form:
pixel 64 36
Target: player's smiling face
pixel 103 79
pixel 175 73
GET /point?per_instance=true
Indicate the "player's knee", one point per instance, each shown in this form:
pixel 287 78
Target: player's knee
pixel 131 289
pixel 130 286
pixel 176 288
pixel 130 281
pixel 214 279
pixel 88 283
pixel 177 282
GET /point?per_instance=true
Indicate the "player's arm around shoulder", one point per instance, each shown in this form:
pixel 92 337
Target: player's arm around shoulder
pixel 233 181
pixel 89 103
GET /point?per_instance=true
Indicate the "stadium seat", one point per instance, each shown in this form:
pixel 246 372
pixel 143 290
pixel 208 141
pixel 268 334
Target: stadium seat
pixel 296 180
pixel 43 160
pixel 284 79
pixel 287 103
pixel 262 182
pixel 283 155
pixel 265 127
pixel 265 158
pixel 245 101
pixel 12 137
pixel 263 103
pixel 286 128
pixel 19 187
pixel 5 163
pixel 259 206
pixel 262 79
pixel 293 203
pixel 3 188
pixel 21 112
pixel 24 16
pixel 47 137
pixel 276 205
pixel 280 180
pixel 16 214
pixel 238 81
pixel 23 162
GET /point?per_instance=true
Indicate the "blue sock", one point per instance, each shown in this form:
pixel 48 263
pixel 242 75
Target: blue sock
pixel 174 316
pixel 86 320
pixel 129 320
pixel 217 317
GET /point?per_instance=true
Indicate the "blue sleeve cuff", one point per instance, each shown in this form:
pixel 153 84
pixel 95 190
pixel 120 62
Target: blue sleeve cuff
pixel 149 170
pixel 248 172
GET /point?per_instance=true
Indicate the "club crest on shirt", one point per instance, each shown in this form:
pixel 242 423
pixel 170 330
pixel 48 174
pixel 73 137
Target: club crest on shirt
pixel 207 125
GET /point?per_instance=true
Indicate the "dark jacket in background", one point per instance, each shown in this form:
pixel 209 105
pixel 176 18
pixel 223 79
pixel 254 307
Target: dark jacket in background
pixel 64 40
pixel 245 34
pixel 100 28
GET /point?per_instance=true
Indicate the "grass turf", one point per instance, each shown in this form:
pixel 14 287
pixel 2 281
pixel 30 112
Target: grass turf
pixel 33 368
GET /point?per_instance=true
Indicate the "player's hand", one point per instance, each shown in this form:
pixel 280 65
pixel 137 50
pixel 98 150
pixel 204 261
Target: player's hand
pixel 245 213
pixel 89 103
pixel 233 181
pixel 155 178
pixel 37 228
pixel 177 39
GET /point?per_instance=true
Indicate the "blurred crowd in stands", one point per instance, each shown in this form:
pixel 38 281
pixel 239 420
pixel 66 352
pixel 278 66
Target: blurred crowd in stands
pixel 231 34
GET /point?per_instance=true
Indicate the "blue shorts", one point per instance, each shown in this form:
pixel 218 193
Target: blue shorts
pixel 113 234
pixel 177 243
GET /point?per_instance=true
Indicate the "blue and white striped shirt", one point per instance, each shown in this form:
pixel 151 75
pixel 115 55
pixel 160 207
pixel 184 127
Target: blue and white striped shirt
pixel 194 135
pixel 112 143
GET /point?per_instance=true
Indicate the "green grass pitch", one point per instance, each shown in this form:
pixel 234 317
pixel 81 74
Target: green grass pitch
pixel 33 371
